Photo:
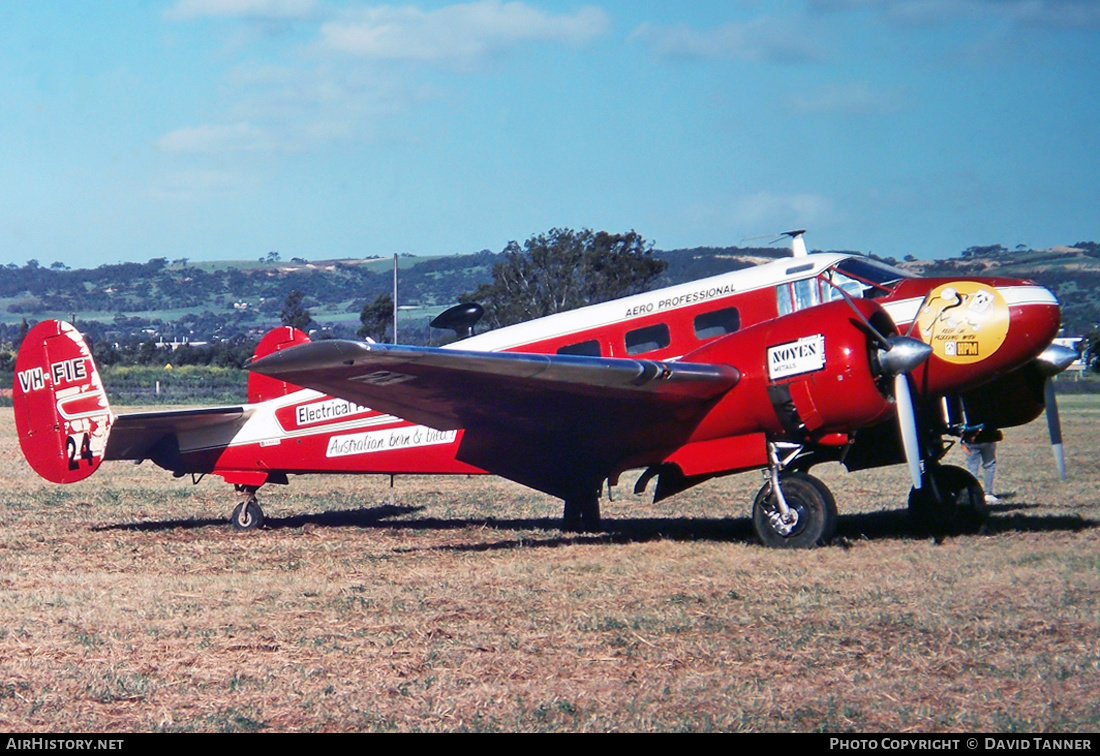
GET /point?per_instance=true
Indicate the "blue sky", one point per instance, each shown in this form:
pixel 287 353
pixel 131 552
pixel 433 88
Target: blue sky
pixel 225 129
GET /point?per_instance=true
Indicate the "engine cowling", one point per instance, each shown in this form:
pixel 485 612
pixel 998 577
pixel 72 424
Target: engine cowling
pixel 804 376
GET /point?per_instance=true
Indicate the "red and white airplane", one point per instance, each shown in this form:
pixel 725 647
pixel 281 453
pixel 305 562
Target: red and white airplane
pixel 813 358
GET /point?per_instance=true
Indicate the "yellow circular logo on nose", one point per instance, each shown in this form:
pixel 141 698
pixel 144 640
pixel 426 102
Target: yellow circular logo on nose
pixel 964 321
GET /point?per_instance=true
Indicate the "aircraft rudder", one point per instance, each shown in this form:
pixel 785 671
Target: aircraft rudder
pixel 62 415
pixel 262 388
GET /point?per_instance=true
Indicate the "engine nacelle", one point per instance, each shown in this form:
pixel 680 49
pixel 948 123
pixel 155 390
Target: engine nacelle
pixel 804 376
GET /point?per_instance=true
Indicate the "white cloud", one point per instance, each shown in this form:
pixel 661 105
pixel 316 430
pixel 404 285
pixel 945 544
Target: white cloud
pixel 207 138
pixel 456 33
pixel 256 9
pixel 348 81
pixel 763 39
pixel 857 98
pixel 194 185
pixel 767 210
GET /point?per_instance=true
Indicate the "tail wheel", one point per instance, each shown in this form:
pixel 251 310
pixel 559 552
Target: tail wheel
pixel 812 519
pixel 248 516
pixel 950 501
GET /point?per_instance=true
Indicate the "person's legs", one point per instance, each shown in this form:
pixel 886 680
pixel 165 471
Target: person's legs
pixel 973 459
pixel 988 454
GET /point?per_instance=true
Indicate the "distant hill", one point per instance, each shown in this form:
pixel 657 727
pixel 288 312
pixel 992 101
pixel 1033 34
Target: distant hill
pixel 179 300
pixel 1071 272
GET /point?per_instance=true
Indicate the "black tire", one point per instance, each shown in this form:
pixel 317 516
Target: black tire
pixel 811 503
pixel 950 501
pixel 247 516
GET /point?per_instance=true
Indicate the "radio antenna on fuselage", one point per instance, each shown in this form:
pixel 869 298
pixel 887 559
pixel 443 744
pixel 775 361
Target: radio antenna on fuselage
pixel 798 244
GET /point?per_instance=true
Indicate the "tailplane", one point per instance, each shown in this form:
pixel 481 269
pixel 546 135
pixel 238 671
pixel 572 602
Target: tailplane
pixel 260 387
pixel 61 411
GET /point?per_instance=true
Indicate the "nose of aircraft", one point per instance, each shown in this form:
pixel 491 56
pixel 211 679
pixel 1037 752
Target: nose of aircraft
pixel 978 329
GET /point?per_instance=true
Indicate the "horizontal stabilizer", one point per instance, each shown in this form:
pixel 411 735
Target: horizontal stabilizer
pixel 146 435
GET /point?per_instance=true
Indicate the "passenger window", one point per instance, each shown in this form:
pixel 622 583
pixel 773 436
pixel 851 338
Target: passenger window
pixel 783 299
pixel 648 339
pixel 797 295
pixel 583 348
pixel 717 323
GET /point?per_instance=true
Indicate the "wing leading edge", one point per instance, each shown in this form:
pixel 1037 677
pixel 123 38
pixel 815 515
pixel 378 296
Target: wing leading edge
pixel 542 420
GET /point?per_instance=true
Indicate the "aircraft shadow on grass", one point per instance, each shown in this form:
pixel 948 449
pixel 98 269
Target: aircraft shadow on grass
pixel 874 526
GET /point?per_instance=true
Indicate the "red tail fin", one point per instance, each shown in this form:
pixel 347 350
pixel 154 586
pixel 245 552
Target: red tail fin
pixel 61 411
pixel 262 388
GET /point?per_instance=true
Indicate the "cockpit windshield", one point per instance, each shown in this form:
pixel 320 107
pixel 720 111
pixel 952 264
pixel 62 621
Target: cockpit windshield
pixel 869 271
pixel 851 277
pixel 859 277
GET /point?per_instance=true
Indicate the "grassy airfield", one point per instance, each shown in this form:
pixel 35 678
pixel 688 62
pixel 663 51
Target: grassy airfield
pixel 128 604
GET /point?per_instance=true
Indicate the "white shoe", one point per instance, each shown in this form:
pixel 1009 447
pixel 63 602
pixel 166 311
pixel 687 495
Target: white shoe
pixel 991 499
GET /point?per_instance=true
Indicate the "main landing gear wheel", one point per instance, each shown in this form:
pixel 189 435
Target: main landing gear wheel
pixel 248 516
pixel 950 501
pixel 812 519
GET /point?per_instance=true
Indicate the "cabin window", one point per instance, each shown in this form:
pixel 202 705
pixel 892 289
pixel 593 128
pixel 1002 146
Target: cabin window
pixel 648 339
pixel 583 348
pixel 717 323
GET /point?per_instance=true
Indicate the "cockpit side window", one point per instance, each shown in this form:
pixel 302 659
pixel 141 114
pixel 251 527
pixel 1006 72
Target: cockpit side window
pixel 832 280
pixel 798 295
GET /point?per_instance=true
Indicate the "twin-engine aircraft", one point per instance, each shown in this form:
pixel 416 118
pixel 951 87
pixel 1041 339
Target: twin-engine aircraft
pixel 813 358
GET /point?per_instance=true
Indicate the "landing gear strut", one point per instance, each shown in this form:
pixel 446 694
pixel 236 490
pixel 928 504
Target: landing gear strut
pixel 582 512
pixel 247 515
pixel 794 510
pixel 950 501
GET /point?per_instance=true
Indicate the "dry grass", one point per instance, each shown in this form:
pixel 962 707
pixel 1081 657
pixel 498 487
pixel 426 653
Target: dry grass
pixel 128 604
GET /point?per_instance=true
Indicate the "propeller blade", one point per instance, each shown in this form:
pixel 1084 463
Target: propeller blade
pixel 1054 425
pixel 907 423
pixel 1053 360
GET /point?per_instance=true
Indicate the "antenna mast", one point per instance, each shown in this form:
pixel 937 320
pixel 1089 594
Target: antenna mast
pixel 798 245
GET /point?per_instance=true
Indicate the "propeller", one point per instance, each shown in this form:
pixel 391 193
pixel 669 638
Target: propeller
pixel 1053 360
pixel 1054 425
pixel 899 356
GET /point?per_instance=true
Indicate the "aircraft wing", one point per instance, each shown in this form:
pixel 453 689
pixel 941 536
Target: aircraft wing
pixel 150 435
pixel 527 417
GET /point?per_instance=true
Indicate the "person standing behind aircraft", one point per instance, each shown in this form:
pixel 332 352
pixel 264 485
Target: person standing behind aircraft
pixel 980 445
